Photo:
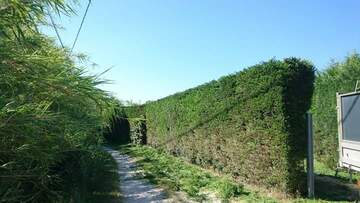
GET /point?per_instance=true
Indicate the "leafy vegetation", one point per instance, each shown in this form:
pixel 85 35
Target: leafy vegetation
pixel 51 113
pixel 118 132
pixel 135 114
pixel 339 77
pixel 177 175
pixel 128 125
pixel 249 125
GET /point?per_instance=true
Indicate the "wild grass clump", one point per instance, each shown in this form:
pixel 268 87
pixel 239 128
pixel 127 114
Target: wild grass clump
pixel 227 189
pixel 51 112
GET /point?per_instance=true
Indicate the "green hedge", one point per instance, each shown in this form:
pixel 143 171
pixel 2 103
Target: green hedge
pixel 339 77
pixel 127 125
pixel 250 124
pixel 134 111
pixel 136 117
pixel 118 132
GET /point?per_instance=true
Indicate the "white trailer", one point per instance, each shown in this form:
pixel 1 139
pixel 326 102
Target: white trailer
pixel 348 111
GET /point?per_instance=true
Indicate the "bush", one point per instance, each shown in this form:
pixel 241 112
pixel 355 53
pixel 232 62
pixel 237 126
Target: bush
pixel 250 124
pixel 136 116
pixel 138 131
pixel 339 77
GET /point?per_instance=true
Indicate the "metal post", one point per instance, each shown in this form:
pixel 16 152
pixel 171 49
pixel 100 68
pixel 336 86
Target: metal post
pixel 310 157
pixel 350 174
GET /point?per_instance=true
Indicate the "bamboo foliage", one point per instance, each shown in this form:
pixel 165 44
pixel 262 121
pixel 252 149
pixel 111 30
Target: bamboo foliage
pixel 18 17
pixel 50 110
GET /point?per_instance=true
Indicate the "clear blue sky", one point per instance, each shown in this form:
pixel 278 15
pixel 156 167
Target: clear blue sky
pixel 160 47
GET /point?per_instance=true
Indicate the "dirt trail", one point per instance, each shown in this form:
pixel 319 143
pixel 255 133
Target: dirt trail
pixel 131 186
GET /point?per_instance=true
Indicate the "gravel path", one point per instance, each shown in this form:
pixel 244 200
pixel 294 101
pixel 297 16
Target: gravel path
pixel 135 189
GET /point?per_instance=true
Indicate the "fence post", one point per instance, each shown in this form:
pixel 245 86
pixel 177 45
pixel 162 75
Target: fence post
pixel 310 156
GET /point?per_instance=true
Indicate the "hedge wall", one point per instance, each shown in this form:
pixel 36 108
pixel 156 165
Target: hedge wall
pixel 127 125
pixel 136 118
pixel 250 124
pixel 134 111
pixel 339 77
pixel 119 130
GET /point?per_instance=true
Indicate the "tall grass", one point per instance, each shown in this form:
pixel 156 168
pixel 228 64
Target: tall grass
pixel 51 112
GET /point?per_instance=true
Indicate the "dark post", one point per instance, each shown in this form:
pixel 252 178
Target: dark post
pixel 310 157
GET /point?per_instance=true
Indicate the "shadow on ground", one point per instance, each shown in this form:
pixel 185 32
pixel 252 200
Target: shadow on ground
pixel 335 189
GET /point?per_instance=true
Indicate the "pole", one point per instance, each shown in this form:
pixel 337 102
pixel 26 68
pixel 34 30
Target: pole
pixel 310 157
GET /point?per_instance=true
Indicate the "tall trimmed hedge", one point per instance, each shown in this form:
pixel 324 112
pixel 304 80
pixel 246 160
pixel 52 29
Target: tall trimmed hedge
pixel 136 117
pixel 127 125
pixel 339 77
pixel 118 132
pixel 250 124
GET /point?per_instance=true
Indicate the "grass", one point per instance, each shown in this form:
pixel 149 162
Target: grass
pixel 175 174
pixel 329 187
pixel 101 182
pixel 322 169
pixel 107 188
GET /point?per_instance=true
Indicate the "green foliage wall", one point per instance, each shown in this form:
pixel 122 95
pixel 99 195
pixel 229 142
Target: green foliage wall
pixel 339 77
pixel 128 125
pixel 118 132
pixel 136 117
pixel 134 111
pixel 250 124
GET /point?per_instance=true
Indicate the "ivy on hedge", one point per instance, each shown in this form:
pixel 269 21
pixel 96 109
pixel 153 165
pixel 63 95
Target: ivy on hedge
pixel 250 124
pixel 339 77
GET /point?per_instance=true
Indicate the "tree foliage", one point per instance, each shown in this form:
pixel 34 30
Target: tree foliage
pixel 338 77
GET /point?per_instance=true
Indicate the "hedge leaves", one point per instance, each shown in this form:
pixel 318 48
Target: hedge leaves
pixel 250 124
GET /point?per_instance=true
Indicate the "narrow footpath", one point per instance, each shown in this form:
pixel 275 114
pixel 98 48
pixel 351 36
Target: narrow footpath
pixel 133 188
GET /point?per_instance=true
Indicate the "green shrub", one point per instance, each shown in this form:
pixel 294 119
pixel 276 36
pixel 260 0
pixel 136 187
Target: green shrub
pixel 138 130
pixel 339 77
pixel 250 124
pixel 228 189
pixel 136 117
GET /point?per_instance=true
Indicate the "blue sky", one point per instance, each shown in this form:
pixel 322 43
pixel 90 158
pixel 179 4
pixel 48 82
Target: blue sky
pixel 160 47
